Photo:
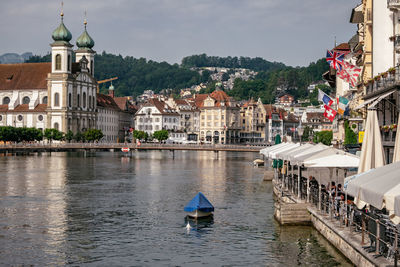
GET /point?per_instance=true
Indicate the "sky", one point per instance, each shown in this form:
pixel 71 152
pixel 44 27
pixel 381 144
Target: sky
pixel 295 32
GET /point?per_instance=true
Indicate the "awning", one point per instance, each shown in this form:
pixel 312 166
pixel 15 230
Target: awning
pixel 272 154
pixel 285 155
pixel 366 102
pixel 299 158
pixel 379 187
pixel 380 98
pixel 265 151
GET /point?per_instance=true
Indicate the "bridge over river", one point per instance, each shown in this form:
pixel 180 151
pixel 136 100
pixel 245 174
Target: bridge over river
pixel 38 147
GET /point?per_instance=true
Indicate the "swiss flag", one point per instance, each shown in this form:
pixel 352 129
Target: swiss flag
pixel 329 113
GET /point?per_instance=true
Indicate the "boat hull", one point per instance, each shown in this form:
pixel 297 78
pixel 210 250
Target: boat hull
pixel 199 214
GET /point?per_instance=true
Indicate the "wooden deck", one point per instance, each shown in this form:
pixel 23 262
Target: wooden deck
pixel 27 148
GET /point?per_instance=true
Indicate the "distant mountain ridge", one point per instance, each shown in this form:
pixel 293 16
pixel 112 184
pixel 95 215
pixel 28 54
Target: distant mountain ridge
pixel 9 58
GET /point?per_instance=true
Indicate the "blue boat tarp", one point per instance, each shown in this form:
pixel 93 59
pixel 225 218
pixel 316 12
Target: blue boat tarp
pixel 199 202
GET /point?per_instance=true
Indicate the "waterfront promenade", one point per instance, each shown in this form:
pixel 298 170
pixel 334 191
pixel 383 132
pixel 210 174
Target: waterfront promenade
pixel 37 147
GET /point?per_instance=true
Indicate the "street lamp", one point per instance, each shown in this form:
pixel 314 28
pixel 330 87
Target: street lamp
pixel 300 131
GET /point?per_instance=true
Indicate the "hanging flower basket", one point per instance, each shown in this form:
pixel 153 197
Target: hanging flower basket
pixel 384 75
pixel 393 127
pixel 386 128
pixel 377 78
pixel 392 70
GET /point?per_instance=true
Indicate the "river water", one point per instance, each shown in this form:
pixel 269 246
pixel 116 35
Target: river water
pixel 103 209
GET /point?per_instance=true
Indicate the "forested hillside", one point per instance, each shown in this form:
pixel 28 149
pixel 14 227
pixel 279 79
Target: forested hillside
pixel 293 80
pixel 136 75
pixel 257 64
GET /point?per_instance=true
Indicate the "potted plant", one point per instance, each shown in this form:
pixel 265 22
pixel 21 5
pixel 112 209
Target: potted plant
pixel 386 128
pixel 393 127
pixel 392 70
pixel 384 74
pixel 377 78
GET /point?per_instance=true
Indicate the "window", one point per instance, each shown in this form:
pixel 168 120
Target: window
pixel 84 99
pixel 44 100
pixel 56 126
pixel 1 118
pixel 6 100
pixel 90 102
pixel 56 99
pixel 91 67
pixel 40 118
pixel 20 118
pixel 58 62
pixel 26 100
pixel 70 100
pixel 69 62
pixel 79 101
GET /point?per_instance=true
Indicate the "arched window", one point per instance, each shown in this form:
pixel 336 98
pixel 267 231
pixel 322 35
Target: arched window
pixel 70 100
pixel 90 102
pixel 84 99
pixel 91 67
pixel 26 100
pixel 56 126
pixel 79 101
pixel 6 100
pixel 44 100
pixel 58 62
pixel 56 99
pixel 69 62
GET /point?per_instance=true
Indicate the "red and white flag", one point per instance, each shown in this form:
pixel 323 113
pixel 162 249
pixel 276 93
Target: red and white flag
pixel 329 113
pixel 349 73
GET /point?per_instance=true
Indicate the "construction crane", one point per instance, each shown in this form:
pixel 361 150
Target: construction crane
pixel 104 81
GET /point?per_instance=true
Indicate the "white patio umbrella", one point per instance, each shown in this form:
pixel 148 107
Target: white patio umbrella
pixel 396 152
pixel 337 160
pixel 372 155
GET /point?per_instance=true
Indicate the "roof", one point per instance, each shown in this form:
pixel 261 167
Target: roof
pixel 107 101
pixel 24 76
pixel 317 115
pixel 269 108
pixel 218 95
pixel 24 108
pixel 161 106
pixel 342 48
pixel 124 104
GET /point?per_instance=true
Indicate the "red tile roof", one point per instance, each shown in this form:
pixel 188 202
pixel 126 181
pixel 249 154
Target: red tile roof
pixel 24 76
pixel 106 101
pixel 161 106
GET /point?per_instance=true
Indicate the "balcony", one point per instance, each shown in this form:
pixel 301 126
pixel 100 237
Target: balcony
pixel 388 138
pixel 391 81
pixel 393 5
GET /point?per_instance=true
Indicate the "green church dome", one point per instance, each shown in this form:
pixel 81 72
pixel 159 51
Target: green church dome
pixel 61 34
pixel 85 41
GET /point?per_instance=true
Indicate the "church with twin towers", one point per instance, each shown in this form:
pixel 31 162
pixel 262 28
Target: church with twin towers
pixel 60 94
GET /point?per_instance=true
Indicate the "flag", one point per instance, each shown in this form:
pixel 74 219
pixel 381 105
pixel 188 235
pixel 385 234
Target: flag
pixel 329 113
pixel 342 104
pixel 324 98
pixel 334 59
pixel 349 73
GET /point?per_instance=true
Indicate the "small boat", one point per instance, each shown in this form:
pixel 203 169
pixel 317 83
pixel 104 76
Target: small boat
pixel 258 162
pixel 199 207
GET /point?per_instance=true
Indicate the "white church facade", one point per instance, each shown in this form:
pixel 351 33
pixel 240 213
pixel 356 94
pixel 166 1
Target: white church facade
pixel 61 94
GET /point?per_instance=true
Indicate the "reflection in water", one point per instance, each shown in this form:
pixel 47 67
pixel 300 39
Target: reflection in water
pixel 107 209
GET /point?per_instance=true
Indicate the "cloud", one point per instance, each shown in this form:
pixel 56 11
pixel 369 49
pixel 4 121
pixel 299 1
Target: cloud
pixel 293 31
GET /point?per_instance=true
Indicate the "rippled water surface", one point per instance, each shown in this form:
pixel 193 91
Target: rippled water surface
pixel 103 209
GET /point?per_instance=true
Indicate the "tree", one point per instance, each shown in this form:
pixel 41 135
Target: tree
pixel 324 137
pixel 225 77
pixel 79 137
pixel 92 135
pixel 69 136
pixel 350 137
pixel 161 135
pixel 53 134
pixel 308 132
